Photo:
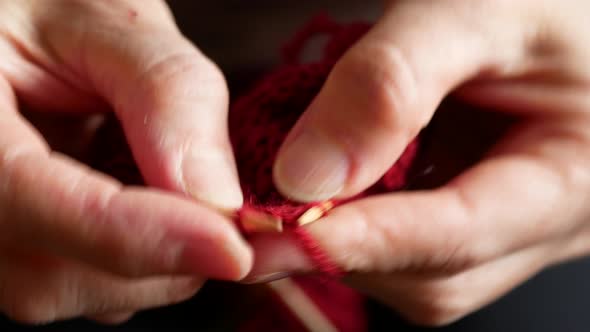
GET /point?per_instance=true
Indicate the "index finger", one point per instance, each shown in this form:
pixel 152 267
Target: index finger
pixel 57 204
pixel 532 189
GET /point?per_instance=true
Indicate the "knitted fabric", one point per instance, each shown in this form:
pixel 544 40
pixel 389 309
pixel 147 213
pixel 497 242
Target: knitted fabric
pixel 259 121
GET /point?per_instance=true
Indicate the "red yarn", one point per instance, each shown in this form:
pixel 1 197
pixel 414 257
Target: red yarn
pixel 259 122
pixel 342 306
pixel 289 213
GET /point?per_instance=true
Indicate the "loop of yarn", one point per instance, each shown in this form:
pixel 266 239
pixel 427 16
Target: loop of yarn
pixel 259 121
pixel 289 218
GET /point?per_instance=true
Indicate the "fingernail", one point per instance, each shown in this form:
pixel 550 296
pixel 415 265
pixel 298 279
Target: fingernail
pixel 211 178
pixel 311 168
pixel 266 278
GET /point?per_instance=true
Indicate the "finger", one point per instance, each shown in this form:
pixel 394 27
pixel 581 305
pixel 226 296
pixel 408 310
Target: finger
pixel 171 99
pixel 436 301
pixel 27 66
pixel 384 91
pixel 60 290
pixel 528 98
pixel 52 202
pixel 440 300
pixel 532 188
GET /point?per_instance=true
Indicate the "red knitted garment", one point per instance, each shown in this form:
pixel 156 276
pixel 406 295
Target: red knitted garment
pixel 259 121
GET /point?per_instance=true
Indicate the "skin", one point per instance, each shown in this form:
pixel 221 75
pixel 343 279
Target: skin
pixel 437 255
pixel 74 242
pixel 105 250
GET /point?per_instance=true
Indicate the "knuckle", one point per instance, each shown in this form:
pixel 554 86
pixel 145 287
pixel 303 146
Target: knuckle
pixel 458 252
pixel 415 249
pixel 361 242
pixel 454 258
pixel 373 239
pixel 388 83
pixel 462 247
pixel 119 252
pixel 185 74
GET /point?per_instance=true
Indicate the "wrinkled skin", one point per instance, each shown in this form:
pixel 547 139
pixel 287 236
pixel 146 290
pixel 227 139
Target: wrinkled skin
pixel 437 255
pixel 74 242
pixel 106 251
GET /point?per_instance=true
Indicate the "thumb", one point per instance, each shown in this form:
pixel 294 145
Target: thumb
pixel 171 100
pixel 379 96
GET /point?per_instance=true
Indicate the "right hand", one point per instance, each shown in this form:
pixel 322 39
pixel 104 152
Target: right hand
pixel 74 242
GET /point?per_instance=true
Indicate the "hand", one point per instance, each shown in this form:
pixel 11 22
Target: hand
pixel 74 242
pixel 437 255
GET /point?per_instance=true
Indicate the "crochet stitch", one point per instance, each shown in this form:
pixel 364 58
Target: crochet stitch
pixel 259 121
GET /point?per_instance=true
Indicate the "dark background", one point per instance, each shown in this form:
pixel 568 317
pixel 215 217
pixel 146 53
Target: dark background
pixel 242 37
pixel 242 34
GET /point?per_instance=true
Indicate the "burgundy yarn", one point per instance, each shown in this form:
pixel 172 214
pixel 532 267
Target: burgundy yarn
pixel 260 120
pixel 343 306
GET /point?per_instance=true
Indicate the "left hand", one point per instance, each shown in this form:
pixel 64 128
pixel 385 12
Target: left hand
pixel 437 255
pixel 75 242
